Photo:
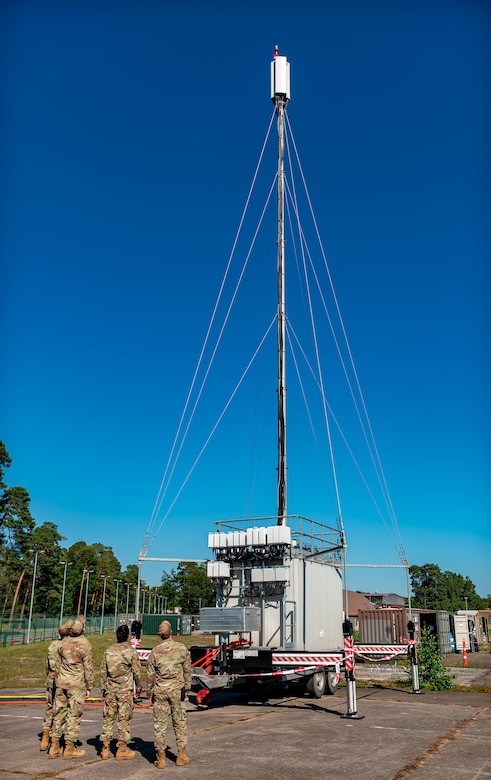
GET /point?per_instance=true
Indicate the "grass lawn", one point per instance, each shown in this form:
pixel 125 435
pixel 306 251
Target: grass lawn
pixel 23 666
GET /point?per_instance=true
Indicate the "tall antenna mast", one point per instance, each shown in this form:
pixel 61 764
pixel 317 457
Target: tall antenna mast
pixel 280 95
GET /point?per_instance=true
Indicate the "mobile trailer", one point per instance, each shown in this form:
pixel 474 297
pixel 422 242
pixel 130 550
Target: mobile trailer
pixel 279 612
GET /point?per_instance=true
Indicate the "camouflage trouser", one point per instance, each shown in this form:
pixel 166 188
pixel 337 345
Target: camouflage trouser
pixel 117 705
pixel 50 697
pixel 68 708
pixel 165 702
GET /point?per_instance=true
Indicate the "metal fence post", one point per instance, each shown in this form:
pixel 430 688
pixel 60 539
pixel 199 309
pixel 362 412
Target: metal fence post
pixel 349 669
pixel 413 657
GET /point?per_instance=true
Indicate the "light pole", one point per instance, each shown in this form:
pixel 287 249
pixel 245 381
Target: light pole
pixel 88 572
pixel 104 577
pixel 32 593
pixel 143 602
pixel 116 606
pixel 466 601
pixel 165 605
pixel 65 564
pixel 127 599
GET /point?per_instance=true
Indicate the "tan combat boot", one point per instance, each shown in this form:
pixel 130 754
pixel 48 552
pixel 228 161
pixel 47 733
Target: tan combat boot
pixel 71 751
pixel 160 762
pixel 123 751
pixel 182 758
pixel 105 752
pixel 44 744
pixel 55 750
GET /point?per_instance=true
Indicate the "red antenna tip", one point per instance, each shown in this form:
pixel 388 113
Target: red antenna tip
pixel 276 50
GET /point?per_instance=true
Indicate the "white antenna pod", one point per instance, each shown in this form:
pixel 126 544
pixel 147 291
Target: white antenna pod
pixel 280 77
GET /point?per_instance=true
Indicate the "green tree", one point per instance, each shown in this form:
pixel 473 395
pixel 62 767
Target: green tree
pixel 170 590
pixel 5 461
pixel 195 588
pixel 437 589
pixel 16 526
pixel 47 593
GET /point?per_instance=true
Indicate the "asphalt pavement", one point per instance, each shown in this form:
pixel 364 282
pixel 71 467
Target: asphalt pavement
pixel 429 736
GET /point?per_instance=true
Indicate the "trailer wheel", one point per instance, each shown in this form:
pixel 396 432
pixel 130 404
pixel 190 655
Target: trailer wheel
pixel 316 684
pixel 332 682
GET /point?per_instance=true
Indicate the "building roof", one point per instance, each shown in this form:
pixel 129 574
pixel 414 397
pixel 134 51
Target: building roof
pixel 386 599
pixel 358 601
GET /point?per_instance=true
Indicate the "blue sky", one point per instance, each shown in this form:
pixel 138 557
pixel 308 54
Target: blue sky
pixel 130 136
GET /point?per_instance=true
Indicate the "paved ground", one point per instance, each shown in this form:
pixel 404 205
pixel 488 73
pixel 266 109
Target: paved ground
pixel 432 736
pixel 477 673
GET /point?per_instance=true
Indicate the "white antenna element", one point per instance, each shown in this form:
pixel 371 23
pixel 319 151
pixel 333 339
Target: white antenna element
pixel 280 77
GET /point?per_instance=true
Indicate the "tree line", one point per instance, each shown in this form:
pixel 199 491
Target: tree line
pixel 85 575
pixel 87 568
pixel 446 590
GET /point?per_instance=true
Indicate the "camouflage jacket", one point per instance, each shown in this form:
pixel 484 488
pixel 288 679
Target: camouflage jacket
pixel 52 662
pixel 120 665
pixel 168 668
pixel 76 663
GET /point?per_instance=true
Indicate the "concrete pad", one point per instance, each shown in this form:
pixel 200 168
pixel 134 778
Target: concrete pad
pixel 285 736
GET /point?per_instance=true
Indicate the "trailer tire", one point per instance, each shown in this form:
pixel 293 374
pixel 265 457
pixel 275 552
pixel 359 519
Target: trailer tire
pixel 316 684
pixel 332 682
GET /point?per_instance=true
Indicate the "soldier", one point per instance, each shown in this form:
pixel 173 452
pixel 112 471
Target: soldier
pixel 73 683
pixel 168 680
pixel 120 669
pixel 136 632
pixel 52 666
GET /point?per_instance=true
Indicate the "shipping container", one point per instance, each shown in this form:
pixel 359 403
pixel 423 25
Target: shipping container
pixel 151 623
pixel 465 630
pixel 483 627
pixel 439 624
pixel 384 626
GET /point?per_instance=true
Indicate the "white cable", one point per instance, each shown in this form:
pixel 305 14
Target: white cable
pixel 338 310
pixel 317 356
pixel 161 492
pixel 338 426
pixel 217 343
pixel 234 392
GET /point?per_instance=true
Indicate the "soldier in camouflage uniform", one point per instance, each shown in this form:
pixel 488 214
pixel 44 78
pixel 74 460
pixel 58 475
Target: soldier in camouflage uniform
pixel 73 683
pixel 120 669
pixel 168 680
pixel 52 666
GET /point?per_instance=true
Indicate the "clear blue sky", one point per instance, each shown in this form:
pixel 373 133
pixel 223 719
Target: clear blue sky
pixel 130 133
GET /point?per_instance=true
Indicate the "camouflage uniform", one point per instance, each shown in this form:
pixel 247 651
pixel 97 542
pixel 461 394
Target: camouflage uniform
pixel 120 666
pixel 168 672
pixel 75 677
pixel 52 666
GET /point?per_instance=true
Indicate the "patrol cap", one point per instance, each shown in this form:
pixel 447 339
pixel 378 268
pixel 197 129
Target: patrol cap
pixel 78 627
pixel 65 629
pixel 165 628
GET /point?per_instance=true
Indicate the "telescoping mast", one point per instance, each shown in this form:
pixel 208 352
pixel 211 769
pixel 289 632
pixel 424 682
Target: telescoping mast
pixel 280 95
pixel 277 579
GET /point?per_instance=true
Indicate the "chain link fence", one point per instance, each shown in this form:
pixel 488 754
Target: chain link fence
pixel 17 631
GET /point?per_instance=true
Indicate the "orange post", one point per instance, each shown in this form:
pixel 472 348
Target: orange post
pixel 464 653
